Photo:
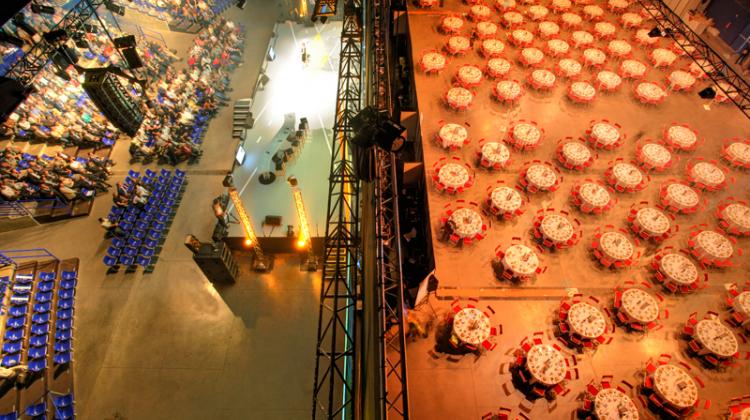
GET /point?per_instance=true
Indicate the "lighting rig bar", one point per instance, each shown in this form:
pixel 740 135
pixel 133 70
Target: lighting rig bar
pixel 336 380
pixel 324 8
pixel 713 64
pixel 392 355
pixel 26 69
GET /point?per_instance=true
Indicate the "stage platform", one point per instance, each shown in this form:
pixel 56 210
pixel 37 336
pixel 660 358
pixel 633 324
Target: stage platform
pixel 472 387
pixel 294 91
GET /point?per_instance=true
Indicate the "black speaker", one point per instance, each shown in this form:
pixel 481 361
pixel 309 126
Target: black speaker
pixel 131 56
pixel 125 41
pixel 707 93
pixel 12 93
pixel 272 221
pixel 113 100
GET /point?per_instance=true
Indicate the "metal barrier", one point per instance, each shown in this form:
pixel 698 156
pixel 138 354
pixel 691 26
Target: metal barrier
pixel 30 208
pixel 18 256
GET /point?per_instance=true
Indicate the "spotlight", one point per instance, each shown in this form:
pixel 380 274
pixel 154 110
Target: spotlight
pixel 125 42
pixel 114 8
pixel 40 8
pixel 654 33
pixel 57 35
pixel 707 93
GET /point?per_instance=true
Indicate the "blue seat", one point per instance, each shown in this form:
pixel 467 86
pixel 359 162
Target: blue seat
pixel 110 261
pixel 36 410
pixel 158 226
pixel 62 400
pixel 17 310
pixel 64 413
pixel 129 217
pixel 68 284
pixel 113 251
pixel 22 288
pixel 38 340
pixel 70 275
pixel 62 346
pixel 162 218
pixel 134 242
pixel 126 260
pixel 62 335
pixel 133 174
pixel 42 297
pixel 62 358
pixel 149 173
pixel 39 329
pixel 116 242
pixel 38 365
pixel 24 278
pixel 64 324
pixel 127 227
pixel 141 225
pixel 65 303
pixel 9 416
pixel 47 275
pixel 42 318
pixel 154 234
pixel 11 360
pixel 18 299
pixel 37 352
pixel 14 334
pixel 178 173
pixel 66 293
pixel 116 210
pixel 150 244
pixel 46 286
pixel 140 234
pixel 16 322
pixel 143 261
pixel 12 346
pixel 42 307
pixel 65 313
pixel 147 252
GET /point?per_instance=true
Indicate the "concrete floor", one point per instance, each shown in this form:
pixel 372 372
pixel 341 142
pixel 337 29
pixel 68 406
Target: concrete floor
pixel 170 344
pixel 471 387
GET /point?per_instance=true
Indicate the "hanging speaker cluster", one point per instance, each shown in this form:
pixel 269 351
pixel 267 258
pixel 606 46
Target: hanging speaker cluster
pixel 126 45
pixel 112 99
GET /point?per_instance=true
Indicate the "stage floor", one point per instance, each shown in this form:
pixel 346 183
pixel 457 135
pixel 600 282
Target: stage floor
pixel 304 91
pixel 470 388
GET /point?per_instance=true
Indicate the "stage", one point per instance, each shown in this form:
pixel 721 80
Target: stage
pixel 294 90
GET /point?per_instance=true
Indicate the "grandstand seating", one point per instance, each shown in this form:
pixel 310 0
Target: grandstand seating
pixel 145 228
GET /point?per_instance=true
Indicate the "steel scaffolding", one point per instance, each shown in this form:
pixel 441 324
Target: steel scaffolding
pixel 335 387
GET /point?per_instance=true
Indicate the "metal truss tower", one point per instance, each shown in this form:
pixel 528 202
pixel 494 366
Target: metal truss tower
pixel 713 64
pixel 336 371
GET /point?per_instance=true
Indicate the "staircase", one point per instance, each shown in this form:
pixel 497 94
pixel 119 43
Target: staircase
pixel 239 117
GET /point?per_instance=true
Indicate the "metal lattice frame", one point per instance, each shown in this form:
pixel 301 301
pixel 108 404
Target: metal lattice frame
pixel 393 377
pixel 320 4
pixel 334 392
pixel 713 64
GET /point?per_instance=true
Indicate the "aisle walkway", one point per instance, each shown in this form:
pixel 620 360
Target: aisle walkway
pixel 169 345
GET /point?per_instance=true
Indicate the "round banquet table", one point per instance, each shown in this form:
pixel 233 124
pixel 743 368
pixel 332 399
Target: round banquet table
pixel 678 269
pixel 561 5
pixel 737 216
pixel 480 12
pixel 742 303
pixel 458 44
pixel 469 75
pixel 537 12
pixel 546 364
pixel 494 153
pixel 604 29
pixel 605 135
pixel 427 3
pixel 680 80
pixel 512 18
pixel 582 91
pixel 640 306
pixel 486 29
pixel 504 5
pixel 616 246
pixel 586 320
pixel 571 20
pixel 452 135
pixel 713 245
pixel 576 153
pixel 522 37
pixel 505 200
pixel 654 155
pixel 681 137
pixel 508 90
pixel 643 38
pixel 541 176
pixel 542 79
pixel 707 174
pixel 619 47
pixel 593 195
pixel 650 92
pixel 618 5
pixel 675 386
pixel 581 38
pixel 593 12
pixel 663 57
pixel 468 223
pixel 492 47
pixel 498 67
pixel 569 67
pixel 556 228
pixel 557 47
pixel 612 404
pixel 739 152
pixel 594 56
pixel 632 68
pixel 631 20
pixel 627 175
pixel 682 197
pixel 526 135
pixel 608 80
pixel 433 61
pixel 459 98
pixel 532 56
pixel 716 338
pixel 653 221
pixel 520 260
pixel 453 175
pixel 471 326
pixel 452 24
pixel 548 29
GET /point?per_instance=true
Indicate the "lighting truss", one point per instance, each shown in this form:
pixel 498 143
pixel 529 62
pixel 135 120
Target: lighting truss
pixel 335 386
pixel 392 355
pixel 324 8
pixel 713 64
pixel 251 239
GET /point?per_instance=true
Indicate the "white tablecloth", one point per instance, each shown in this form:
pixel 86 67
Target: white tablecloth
pixel 682 196
pixel 604 29
pixel 583 90
pixel 627 175
pixel 707 174
pixel 557 46
pixel 537 12
pixel 681 136
pixel 452 24
pixel 594 194
pixel 612 404
pixel 521 260
pixel 433 61
pixel 675 386
pixel 576 153
pixel 631 19
pixel 548 29
pixel 653 221
pixel 632 68
pixel 681 79
pixel 543 78
pixel 640 306
pixel 655 155
pixel 468 222
pixel 650 91
pixel 458 44
pixel 742 303
pixel 532 56
pixel 737 215
pixel 470 75
pixel 663 57
pixel 616 246
pixel 453 175
pixel 678 269
pixel 471 326
pixel 716 338
pixel 739 151
pixel 459 97
pixel 506 199
pixel 495 153
pixel 526 134
pixel 508 90
pixel 557 228
pixel 541 176
pixel 571 19
pixel 486 29
pixel 492 47
pixel 608 80
pixel 570 67
pixel 522 36
pixel 513 18
pixel 582 38
pixel 546 364
pixel 586 320
pixel 593 11
pixel 605 134
pixel 480 12
pixel 452 135
pixel 594 56
pixel 713 245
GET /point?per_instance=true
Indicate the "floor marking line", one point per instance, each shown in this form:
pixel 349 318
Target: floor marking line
pixel 258 141
pixel 328 143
